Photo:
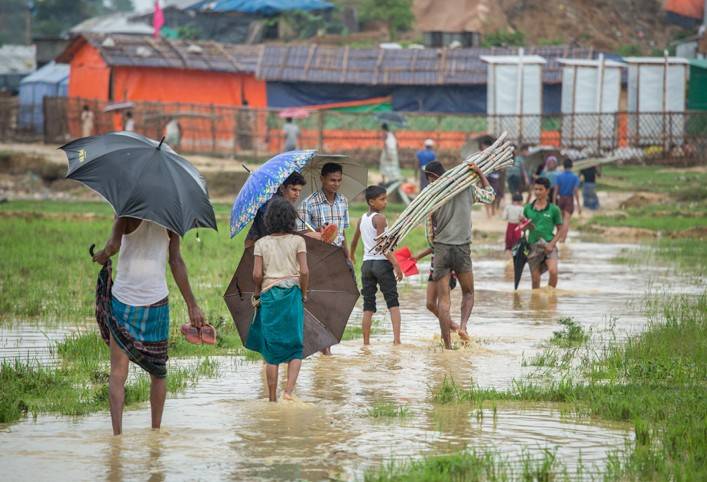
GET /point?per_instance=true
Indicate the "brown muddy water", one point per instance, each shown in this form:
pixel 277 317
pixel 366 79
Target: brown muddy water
pixel 224 429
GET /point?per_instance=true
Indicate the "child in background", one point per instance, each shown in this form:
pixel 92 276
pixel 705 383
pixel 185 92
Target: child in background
pixel 281 279
pixel 378 270
pixel 512 213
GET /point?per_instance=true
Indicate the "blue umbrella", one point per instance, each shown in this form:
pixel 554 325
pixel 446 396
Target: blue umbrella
pixel 262 185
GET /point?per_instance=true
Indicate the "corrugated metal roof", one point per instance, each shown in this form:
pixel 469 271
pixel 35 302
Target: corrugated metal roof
pixel 52 73
pixel 314 63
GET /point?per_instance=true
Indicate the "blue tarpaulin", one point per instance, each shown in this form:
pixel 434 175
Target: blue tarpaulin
pixel 51 80
pixel 261 7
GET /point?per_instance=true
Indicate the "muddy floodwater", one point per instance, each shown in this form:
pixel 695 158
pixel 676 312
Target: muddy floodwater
pixel 224 429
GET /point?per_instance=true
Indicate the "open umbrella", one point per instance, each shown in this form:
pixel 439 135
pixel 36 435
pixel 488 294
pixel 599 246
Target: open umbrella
pixel 332 296
pixel 262 184
pixel 142 178
pixel 520 258
pixel 355 175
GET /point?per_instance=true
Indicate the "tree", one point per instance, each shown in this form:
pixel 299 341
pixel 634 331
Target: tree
pixel 122 5
pixel 396 14
pixel 55 17
pixel 13 21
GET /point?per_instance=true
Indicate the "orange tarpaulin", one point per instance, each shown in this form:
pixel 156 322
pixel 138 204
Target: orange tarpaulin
pixel 90 76
pixel 686 8
pixel 187 86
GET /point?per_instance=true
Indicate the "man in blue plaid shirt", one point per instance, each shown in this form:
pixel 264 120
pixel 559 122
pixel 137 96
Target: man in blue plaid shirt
pixel 327 206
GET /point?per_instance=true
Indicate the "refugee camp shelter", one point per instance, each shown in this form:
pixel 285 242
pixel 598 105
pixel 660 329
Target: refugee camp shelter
pixel 656 98
pixel 16 62
pixel 52 80
pixel 416 80
pixel 591 90
pixel 697 87
pixel 514 97
pixel 140 68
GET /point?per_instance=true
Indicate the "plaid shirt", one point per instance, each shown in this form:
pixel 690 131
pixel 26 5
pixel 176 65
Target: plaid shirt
pixel 316 211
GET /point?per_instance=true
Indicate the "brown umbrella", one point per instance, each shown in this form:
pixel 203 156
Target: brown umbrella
pixel 332 296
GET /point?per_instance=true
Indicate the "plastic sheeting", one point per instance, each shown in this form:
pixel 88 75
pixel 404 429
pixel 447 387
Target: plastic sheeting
pixel 514 97
pixel 261 7
pixel 448 99
pixel 697 90
pixel 656 86
pixel 51 80
pixel 590 94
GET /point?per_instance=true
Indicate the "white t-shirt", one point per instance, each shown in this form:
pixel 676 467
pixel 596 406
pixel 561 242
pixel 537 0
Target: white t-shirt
pixel 512 213
pixel 279 255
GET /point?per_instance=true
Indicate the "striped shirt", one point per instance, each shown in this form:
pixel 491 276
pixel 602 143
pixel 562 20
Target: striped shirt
pixel 316 211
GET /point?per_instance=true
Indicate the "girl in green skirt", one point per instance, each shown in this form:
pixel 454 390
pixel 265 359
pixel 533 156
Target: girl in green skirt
pixel 281 279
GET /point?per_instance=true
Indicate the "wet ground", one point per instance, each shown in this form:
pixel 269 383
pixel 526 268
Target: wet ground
pixel 223 429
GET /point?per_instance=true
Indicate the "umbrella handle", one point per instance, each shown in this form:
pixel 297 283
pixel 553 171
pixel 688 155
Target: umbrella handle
pixel 91 249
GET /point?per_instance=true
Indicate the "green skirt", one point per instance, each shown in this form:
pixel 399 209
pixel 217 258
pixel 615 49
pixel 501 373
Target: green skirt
pixel 277 331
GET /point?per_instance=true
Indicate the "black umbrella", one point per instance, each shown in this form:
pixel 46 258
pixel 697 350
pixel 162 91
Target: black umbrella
pixel 332 295
pixel 143 179
pixel 520 258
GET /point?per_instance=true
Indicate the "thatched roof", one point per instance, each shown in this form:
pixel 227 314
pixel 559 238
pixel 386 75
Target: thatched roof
pixel 315 63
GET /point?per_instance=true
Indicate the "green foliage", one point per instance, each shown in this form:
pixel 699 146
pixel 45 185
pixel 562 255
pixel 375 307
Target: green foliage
pixel 572 334
pixel 55 17
pixel 188 32
pixel 122 5
pixel 396 14
pixel 629 50
pixel 501 38
pixel 13 18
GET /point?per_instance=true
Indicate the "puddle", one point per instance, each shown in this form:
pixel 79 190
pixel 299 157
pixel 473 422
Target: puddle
pixel 224 429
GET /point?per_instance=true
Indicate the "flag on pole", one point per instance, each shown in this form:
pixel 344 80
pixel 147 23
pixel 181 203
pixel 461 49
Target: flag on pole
pixel 157 20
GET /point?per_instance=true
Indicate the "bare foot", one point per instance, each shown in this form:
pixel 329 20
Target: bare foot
pixel 454 327
pixel 464 335
pixel 288 396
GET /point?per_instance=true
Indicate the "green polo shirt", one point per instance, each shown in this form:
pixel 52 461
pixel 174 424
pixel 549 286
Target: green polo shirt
pixel 544 221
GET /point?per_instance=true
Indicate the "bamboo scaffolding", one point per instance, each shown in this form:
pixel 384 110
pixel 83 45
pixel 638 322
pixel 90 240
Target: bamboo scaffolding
pixel 498 156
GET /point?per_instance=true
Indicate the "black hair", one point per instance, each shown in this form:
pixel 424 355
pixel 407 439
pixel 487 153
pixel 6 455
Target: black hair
pixel 543 181
pixel 331 167
pixel 517 197
pixel 86 107
pixel 435 167
pixel 288 120
pixel 485 141
pixel 129 114
pixel 567 163
pixel 372 192
pixel 384 126
pixel 295 179
pixel 281 216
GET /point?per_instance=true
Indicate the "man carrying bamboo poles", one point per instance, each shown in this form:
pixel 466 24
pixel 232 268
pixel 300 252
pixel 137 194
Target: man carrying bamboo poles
pixel 452 249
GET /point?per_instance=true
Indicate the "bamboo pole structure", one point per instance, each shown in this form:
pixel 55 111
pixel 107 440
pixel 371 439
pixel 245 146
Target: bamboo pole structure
pixel 497 157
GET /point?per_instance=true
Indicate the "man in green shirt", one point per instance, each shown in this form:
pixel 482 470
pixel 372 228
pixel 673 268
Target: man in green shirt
pixel 544 217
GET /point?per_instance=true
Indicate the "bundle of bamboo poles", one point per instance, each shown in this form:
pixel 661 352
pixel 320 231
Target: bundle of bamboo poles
pixel 496 157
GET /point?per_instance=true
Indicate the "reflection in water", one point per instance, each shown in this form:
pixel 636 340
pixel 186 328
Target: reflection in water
pixel 226 429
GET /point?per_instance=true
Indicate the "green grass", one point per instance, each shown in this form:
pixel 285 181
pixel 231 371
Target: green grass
pixel 79 384
pixel 384 409
pixel 572 334
pixel 44 242
pixel 685 209
pixel 656 381
pixel 471 466
pixel 651 179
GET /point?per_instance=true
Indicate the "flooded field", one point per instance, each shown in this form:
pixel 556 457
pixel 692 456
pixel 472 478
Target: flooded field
pixel 224 429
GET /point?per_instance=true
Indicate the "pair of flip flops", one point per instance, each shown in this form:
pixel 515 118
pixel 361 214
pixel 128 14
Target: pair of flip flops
pixel 206 334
